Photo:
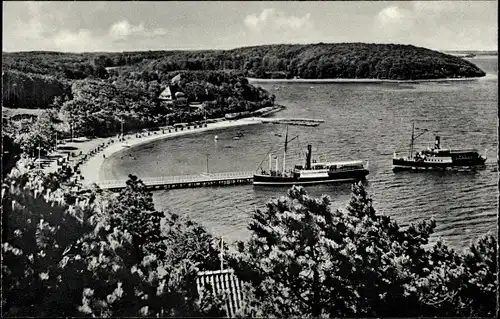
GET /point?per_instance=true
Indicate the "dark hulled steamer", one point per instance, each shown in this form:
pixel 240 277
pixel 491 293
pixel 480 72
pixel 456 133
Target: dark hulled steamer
pixel 312 172
pixel 437 157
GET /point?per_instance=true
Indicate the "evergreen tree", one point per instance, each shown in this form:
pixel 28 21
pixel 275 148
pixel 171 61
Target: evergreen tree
pixel 303 259
pixel 74 254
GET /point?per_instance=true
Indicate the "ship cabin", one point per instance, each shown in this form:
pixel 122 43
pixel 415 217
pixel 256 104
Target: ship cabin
pixel 455 154
pixel 346 166
pixel 333 166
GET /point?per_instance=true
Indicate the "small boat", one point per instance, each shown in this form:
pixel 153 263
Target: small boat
pixel 312 172
pixel 236 138
pixel 216 137
pixel 437 157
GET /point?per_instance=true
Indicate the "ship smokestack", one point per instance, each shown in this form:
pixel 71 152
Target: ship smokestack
pixel 438 142
pixel 308 157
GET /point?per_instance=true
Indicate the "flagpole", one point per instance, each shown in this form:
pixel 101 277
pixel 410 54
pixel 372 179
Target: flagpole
pixel 284 153
pixel 284 162
pixel 221 253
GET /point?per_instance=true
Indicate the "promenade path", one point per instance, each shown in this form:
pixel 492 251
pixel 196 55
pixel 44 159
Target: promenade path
pixel 89 168
pixel 89 154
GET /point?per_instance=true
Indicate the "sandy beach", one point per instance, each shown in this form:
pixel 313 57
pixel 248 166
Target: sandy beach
pixel 90 169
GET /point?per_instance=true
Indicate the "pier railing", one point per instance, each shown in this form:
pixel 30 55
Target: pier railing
pixel 207 179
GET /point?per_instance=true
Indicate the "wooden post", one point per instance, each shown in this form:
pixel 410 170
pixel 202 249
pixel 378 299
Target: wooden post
pixel 221 253
pixel 208 154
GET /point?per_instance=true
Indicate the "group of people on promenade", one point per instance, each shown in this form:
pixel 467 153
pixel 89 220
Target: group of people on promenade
pixel 82 158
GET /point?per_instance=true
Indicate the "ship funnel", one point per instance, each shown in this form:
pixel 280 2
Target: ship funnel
pixel 308 157
pixel 438 142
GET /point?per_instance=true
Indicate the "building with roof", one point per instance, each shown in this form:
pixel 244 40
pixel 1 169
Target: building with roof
pixel 222 282
pixel 196 106
pixel 176 79
pixel 166 95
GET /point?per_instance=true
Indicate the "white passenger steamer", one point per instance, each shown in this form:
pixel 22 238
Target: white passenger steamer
pixel 312 172
pixel 437 157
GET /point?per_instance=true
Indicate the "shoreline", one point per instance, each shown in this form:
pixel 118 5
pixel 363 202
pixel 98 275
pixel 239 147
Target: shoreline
pixel 90 170
pixel 358 81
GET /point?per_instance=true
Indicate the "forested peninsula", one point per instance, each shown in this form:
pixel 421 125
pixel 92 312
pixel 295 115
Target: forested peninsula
pixel 53 72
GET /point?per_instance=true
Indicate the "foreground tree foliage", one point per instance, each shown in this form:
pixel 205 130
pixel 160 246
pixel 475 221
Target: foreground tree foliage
pixel 11 153
pixel 93 253
pixel 303 259
pixel 97 254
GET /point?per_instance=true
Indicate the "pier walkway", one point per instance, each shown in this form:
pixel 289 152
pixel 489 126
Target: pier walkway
pixel 293 121
pixel 185 181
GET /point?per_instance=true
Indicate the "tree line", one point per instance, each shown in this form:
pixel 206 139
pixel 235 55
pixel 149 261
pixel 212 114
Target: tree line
pixel 33 79
pixel 93 253
pixel 311 61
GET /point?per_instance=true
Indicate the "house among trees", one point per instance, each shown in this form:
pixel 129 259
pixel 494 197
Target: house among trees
pixel 177 100
pixel 196 106
pixel 222 282
pixel 180 100
pixel 176 79
pixel 166 95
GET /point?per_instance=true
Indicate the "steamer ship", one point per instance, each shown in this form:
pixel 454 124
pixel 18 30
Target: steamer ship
pixel 312 172
pixel 437 157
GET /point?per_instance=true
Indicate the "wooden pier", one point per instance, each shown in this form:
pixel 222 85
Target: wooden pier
pixel 293 121
pixel 185 181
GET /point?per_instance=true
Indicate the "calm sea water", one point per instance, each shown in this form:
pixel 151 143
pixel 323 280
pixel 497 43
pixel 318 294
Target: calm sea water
pixel 362 121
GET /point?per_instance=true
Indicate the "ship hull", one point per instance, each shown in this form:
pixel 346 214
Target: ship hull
pixel 260 179
pixel 400 164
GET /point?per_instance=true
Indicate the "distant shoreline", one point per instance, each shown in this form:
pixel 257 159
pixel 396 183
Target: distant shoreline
pixel 338 80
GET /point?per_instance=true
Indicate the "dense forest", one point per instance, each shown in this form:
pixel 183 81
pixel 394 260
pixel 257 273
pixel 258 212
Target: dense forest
pixel 340 60
pixel 99 107
pixel 103 107
pixel 50 73
pixel 31 90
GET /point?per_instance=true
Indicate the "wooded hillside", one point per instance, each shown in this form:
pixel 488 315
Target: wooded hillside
pixel 313 61
pixel 339 60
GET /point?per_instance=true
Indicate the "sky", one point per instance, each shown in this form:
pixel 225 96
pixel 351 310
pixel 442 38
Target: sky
pixel 83 26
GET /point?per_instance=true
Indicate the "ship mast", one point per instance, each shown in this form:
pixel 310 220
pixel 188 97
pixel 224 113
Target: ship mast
pixel 412 140
pixel 284 153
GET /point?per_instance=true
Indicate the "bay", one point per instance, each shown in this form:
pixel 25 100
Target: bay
pixel 366 121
